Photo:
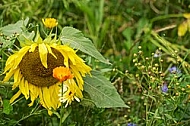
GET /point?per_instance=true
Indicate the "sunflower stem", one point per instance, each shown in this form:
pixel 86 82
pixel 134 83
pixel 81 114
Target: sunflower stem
pixel 17 101
pixel 61 110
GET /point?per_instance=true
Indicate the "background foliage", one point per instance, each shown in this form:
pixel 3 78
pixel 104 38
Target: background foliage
pixel 139 37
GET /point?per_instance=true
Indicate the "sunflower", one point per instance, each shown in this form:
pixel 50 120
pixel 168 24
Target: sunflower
pixel 70 92
pixel 32 69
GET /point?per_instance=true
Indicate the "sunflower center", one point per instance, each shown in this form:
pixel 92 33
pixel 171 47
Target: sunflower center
pixel 35 73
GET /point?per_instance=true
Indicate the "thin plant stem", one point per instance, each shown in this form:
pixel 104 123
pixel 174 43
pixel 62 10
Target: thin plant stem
pixel 166 16
pixel 61 110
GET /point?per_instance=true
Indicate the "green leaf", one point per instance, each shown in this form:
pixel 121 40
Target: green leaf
pixel 66 114
pixel 7 108
pixel 26 38
pixel 102 91
pixel 76 40
pixel 10 29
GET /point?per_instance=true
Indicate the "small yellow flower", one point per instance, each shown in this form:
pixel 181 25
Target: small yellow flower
pixel 70 92
pixel 50 22
pixel 62 73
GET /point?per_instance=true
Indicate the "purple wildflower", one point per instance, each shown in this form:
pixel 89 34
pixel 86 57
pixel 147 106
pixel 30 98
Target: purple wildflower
pixel 164 88
pixel 174 70
pixel 131 124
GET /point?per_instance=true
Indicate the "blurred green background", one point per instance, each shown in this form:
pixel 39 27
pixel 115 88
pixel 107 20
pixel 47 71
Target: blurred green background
pixel 117 29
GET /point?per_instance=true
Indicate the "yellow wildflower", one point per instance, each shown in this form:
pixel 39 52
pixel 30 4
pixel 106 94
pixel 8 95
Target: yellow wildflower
pixel 50 22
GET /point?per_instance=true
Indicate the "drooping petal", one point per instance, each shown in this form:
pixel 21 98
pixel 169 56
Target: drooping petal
pixel 50 51
pixel 9 63
pixel 66 59
pixel 70 53
pixel 14 60
pixel 45 97
pixel 43 54
pixel 16 75
pixel 9 75
pixel 72 57
pixel 75 88
pixel 17 80
pixel 26 89
pixel 15 96
pixel 55 94
pixel 34 93
pixel 53 97
pixel 20 55
pixel 78 77
pixel 23 86
pixel 15 85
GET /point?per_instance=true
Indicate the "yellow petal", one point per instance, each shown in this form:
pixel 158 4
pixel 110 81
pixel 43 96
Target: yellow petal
pixel 66 59
pixel 33 47
pixel 47 97
pixel 10 59
pixel 78 77
pixel 76 89
pixel 15 85
pixel 23 88
pixel 43 54
pixel 16 75
pixel 20 55
pixel 17 80
pixel 70 53
pixel 54 98
pixel 72 57
pixel 186 15
pixel 50 51
pixel 182 29
pixel 9 75
pixel 34 93
pixel 26 89
pixel 15 96
pixel 42 101
pixel 9 63
pixel 56 92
